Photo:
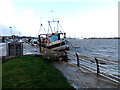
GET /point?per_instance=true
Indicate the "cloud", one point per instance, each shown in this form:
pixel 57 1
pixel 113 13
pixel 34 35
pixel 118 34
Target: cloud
pixel 102 23
pixel 64 0
pixel 7 17
pixel 6 31
pixel 7 12
pixel 26 23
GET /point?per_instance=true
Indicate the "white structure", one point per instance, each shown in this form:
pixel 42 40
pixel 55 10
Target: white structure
pixel 3 49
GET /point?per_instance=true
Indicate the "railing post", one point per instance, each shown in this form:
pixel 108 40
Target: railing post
pixel 77 59
pixel 39 42
pixel 98 71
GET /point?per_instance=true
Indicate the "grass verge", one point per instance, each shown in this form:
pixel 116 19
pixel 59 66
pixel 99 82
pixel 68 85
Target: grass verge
pixel 31 72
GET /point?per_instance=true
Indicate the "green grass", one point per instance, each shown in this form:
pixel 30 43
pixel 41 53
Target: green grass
pixel 0 75
pixel 31 72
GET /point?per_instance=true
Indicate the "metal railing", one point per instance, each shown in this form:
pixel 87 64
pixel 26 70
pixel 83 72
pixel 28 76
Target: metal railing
pixel 105 68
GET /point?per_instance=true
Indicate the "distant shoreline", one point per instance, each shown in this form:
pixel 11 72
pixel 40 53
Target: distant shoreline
pixel 103 38
pixel 98 38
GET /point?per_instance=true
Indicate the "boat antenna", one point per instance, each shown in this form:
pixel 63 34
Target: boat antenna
pixel 52 14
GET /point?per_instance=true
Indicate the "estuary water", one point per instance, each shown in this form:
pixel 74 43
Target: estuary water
pixel 105 50
pixel 102 48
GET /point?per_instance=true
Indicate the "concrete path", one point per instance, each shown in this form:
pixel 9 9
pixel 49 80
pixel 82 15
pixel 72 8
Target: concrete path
pixel 28 49
pixel 80 78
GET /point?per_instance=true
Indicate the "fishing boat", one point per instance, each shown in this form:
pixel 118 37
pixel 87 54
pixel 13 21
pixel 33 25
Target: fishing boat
pixel 54 39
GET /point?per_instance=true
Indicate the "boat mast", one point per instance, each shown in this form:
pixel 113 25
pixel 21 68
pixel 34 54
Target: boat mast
pixel 52 14
pixel 57 27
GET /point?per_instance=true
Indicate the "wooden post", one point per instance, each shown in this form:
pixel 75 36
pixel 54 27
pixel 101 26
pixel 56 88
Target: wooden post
pixel 3 39
pixel 97 66
pixel 15 44
pixel 21 46
pixel 66 56
pixel 8 49
pixel 39 42
pixel 77 59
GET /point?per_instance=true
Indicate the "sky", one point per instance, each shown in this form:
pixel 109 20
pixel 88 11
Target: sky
pixel 78 18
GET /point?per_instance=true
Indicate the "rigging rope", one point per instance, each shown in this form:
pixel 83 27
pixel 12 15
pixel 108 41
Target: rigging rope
pixel 61 28
pixel 41 26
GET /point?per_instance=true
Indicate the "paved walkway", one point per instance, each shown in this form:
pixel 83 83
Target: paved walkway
pixel 80 78
pixel 28 49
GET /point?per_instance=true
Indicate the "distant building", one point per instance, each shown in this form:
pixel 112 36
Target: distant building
pixel 2 38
